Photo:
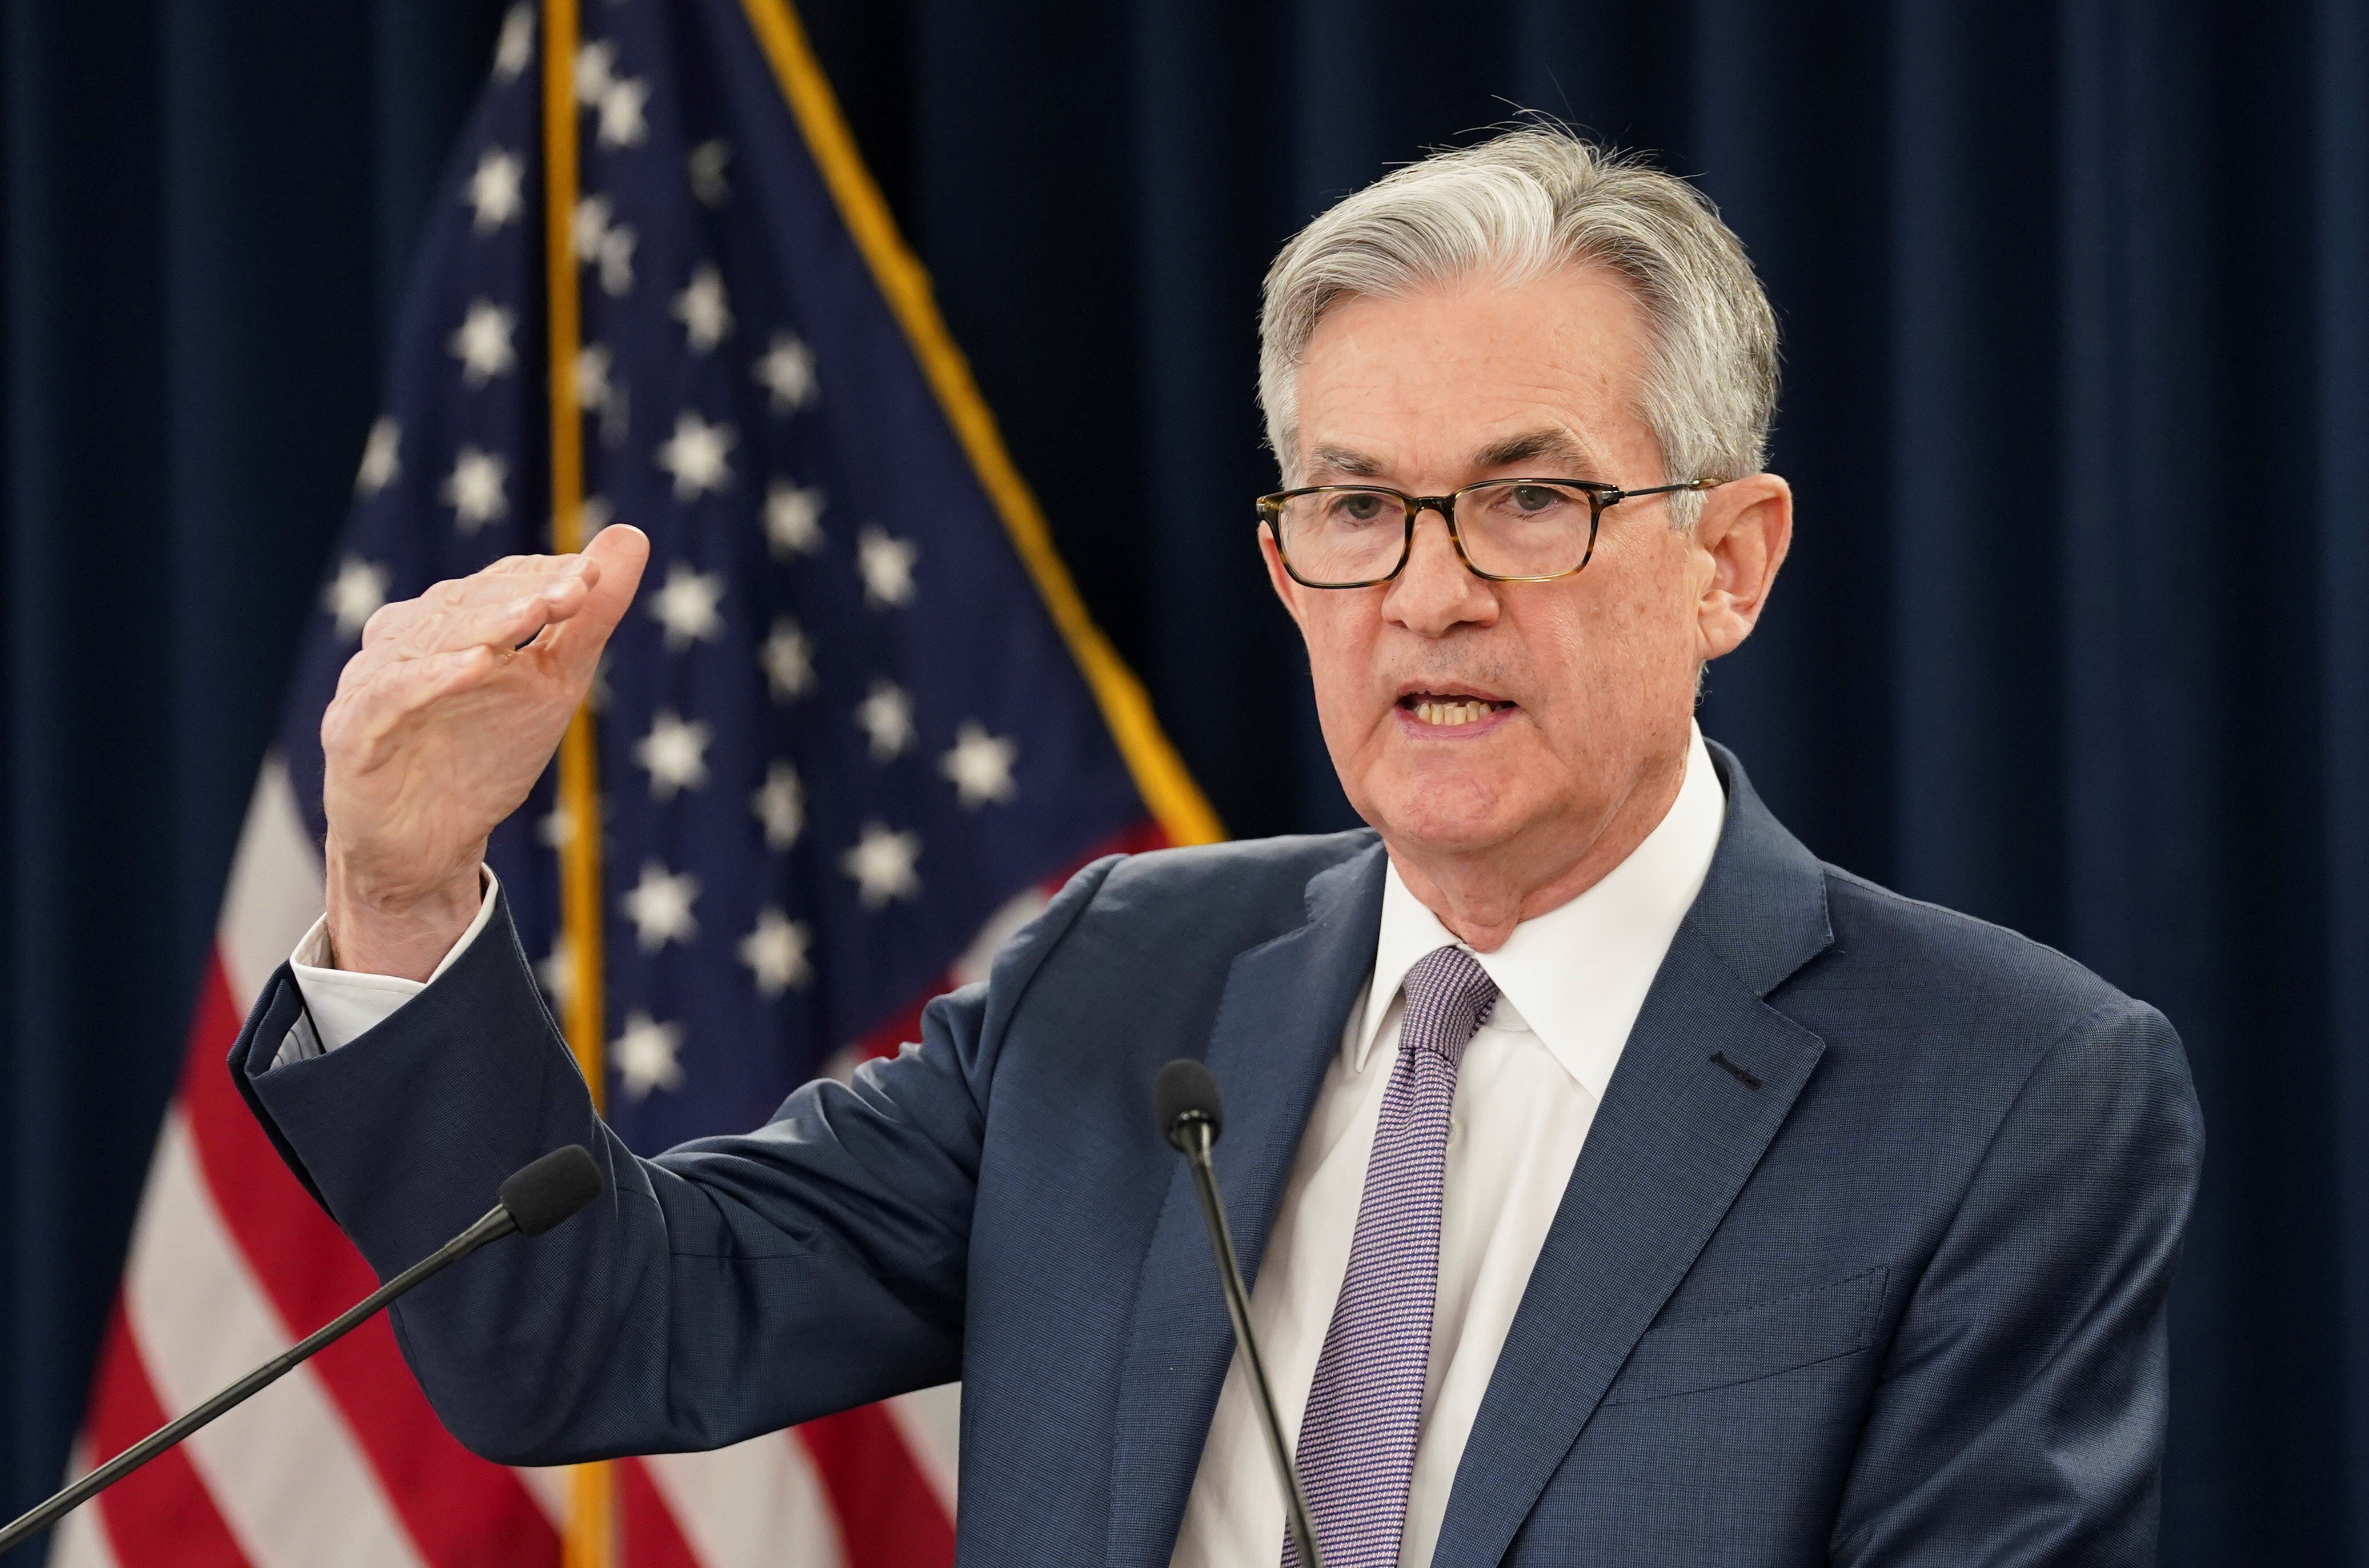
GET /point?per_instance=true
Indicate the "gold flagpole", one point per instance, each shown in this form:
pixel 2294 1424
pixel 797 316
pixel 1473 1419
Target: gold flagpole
pixel 591 1537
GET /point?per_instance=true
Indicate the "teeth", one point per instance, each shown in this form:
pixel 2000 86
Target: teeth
pixel 1470 711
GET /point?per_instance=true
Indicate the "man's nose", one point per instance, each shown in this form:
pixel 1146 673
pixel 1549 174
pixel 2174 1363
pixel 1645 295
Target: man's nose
pixel 1435 592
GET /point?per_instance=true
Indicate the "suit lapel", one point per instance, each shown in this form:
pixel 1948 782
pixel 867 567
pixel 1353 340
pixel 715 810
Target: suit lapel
pixel 1277 1028
pixel 1676 1138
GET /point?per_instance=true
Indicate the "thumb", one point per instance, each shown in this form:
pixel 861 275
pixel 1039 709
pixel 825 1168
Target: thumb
pixel 621 551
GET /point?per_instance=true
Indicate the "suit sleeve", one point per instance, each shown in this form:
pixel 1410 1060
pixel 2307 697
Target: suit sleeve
pixel 727 1288
pixel 2021 1416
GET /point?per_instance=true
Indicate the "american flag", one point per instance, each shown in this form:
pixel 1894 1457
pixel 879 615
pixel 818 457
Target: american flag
pixel 853 728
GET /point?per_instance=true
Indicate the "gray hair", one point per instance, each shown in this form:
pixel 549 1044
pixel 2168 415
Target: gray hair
pixel 1521 204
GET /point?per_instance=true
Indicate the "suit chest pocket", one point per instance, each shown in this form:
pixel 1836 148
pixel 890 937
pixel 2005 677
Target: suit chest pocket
pixel 1761 1341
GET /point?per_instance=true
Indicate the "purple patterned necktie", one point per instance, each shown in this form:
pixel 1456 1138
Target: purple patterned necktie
pixel 1356 1445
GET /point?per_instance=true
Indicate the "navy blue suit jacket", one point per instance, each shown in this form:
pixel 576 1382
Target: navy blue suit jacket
pixel 1864 1261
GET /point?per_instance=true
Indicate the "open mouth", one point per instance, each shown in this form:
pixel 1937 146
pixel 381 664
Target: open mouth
pixel 1449 709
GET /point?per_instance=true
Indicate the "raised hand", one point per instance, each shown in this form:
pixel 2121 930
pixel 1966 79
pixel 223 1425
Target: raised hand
pixel 440 726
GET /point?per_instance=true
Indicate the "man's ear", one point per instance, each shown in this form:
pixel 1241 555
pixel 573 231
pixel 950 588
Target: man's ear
pixel 1276 578
pixel 1745 528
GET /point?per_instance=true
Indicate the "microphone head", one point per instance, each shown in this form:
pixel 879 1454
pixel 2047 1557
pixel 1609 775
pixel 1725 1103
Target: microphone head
pixel 1186 1092
pixel 541 1194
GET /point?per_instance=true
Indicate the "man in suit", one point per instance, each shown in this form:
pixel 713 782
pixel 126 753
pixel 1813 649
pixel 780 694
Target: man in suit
pixel 1619 1184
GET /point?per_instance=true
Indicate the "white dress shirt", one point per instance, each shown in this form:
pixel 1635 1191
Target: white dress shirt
pixel 1570 984
pixel 342 1004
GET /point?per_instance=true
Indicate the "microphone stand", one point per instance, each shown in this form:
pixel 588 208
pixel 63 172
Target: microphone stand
pixel 534 1199
pixel 1194 1135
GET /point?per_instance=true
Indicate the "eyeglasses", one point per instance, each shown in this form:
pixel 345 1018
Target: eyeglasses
pixel 1511 530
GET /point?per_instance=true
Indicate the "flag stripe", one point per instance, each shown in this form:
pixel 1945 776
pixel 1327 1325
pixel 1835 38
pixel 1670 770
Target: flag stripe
pixel 80 1539
pixel 273 895
pixel 648 1533
pixel 755 1504
pixel 283 1467
pixel 238 1209
pixel 161 1512
pixel 550 1489
pixel 459 1508
pixel 930 1420
pixel 888 1512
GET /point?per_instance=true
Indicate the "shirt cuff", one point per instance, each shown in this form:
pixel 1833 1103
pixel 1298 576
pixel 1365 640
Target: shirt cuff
pixel 341 1005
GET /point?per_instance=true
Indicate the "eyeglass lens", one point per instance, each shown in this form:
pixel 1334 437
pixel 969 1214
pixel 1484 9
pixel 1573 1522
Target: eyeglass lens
pixel 1514 528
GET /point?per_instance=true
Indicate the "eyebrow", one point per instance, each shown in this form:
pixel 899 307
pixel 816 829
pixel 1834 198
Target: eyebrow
pixel 1547 444
pixel 1560 447
pixel 1342 460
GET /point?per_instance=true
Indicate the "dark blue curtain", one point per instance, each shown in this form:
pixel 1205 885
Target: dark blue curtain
pixel 2076 299
pixel 208 214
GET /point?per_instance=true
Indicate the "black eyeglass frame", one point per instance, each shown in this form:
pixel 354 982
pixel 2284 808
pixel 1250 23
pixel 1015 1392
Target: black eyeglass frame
pixel 1599 495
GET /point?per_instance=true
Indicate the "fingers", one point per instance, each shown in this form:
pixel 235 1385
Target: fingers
pixel 426 624
pixel 615 556
pixel 507 606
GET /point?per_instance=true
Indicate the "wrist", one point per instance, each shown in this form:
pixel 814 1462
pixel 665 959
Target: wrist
pixel 401 931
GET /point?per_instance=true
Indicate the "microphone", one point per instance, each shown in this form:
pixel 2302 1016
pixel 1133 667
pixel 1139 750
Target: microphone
pixel 1186 1104
pixel 536 1198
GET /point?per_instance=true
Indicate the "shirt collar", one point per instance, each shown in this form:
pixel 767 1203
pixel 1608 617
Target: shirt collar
pixel 1575 975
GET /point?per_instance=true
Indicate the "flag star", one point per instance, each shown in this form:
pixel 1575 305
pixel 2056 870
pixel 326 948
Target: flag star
pixel 594 514
pixel 476 488
pixel 596 67
pixel 793 518
pixel 702 309
pixel 788 660
pixel 557 828
pixel 780 804
pixel 557 972
pixel 887 565
pixel 697 455
pixel 381 457
pixel 686 606
pixel 598 241
pixel 593 363
pixel 590 222
pixel 482 343
pixel 622 122
pixel 885 716
pixel 776 952
pixel 787 370
pixel 514 51
pixel 882 865
pixel 645 1055
pixel 494 189
pixel 659 906
pixel 707 161
pixel 354 595
pixel 674 753
pixel 980 765
pixel 617 262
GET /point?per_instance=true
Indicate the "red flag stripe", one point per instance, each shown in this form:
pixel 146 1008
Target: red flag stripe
pixel 161 1512
pixel 459 1510
pixel 889 1515
pixel 646 1531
